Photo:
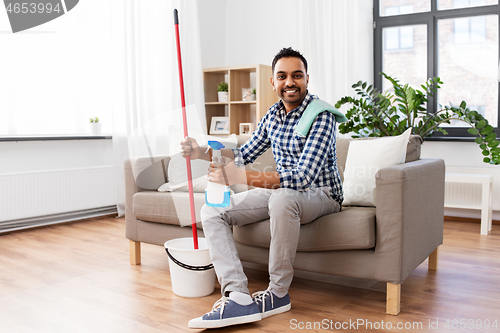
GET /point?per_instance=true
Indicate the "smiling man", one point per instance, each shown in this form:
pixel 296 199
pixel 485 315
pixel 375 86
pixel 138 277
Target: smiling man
pixel 305 186
pixel 290 79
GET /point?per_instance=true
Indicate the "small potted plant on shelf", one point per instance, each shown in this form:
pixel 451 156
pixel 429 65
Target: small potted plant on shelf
pixel 253 95
pixel 222 89
pixel 95 126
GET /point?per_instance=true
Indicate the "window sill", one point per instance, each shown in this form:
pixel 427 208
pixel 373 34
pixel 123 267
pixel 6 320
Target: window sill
pixel 450 139
pixel 54 138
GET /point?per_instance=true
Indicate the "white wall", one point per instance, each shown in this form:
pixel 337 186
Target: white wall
pixel 455 153
pixel 258 29
pixel 212 16
pixel 241 32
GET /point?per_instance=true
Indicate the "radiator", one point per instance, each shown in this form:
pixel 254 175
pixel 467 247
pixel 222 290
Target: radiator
pixel 45 193
pixel 471 193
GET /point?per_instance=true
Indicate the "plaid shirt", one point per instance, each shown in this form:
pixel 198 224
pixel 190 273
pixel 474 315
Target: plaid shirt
pixel 301 162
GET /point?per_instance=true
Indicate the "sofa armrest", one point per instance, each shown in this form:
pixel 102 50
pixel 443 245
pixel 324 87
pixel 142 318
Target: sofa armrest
pixel 141 174
pixel 409 216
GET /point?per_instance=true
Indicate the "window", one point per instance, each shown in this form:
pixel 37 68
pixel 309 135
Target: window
pixel 455 4
pixel 408 64
pixel 403 7
pixel 398 38
pixel 398 10
pixel 470 63
pixel 469 30
pixel 457 40
pixel 57 75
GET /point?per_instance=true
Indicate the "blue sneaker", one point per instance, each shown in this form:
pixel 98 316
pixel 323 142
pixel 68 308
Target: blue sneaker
pixel 226 312
pixel 270 304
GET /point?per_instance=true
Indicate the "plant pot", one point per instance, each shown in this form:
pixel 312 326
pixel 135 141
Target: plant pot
pixel 95 129
pixel 222 96
pixel 252 97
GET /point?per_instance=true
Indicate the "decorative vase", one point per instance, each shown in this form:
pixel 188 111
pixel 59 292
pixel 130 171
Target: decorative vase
pixel 95 129
pixel 222 96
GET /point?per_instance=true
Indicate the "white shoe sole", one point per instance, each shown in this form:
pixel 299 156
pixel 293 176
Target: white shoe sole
pixel 200 323
pixel 276 311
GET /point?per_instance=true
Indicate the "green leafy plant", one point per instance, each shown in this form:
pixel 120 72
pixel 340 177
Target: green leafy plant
pixel 254 91
pixel 223 86
pixel 375 114
pixel 94 120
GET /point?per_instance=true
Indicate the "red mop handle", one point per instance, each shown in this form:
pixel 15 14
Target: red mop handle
pixel 184 122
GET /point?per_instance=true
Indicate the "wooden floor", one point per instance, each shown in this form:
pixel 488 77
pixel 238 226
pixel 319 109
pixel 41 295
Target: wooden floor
pixel 77 278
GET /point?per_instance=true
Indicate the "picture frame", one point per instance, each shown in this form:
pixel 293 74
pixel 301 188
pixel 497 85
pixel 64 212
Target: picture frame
pixel 246 128
pixel 246 94
pixel 219 125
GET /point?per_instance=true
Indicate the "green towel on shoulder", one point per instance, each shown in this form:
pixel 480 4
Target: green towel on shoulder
pixel 311 112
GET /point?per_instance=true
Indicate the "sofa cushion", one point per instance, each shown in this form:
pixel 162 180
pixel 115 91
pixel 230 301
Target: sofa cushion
pixel 364 159
pixel 342 146
pixel 412 150
pixel 351 229
pixel 167 207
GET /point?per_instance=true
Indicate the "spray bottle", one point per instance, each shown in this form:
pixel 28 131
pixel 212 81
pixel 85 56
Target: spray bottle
pixel 217 195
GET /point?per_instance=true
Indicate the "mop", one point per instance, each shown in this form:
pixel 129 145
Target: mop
pixel 184 121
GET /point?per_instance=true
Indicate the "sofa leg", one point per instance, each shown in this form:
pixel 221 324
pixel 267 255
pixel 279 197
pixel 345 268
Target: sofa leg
pixel 433 260
pixel 135 252
pixel 393 298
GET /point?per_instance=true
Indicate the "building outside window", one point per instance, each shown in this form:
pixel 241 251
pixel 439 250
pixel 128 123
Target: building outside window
pixel 469 30
pixel 456 40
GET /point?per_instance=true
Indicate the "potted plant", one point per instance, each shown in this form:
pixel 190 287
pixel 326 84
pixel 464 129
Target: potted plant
pixel 95 126
pixel 253 95
pixel 222 89
pixel 375 114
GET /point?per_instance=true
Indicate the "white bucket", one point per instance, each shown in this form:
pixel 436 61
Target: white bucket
pixel 191 271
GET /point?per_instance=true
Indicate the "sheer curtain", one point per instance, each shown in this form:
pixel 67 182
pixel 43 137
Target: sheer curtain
pixel 337 41
pixel 54 77
pixel 145 89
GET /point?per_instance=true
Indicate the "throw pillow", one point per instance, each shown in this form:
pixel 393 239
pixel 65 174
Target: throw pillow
pixel 364 159
pixel 177 172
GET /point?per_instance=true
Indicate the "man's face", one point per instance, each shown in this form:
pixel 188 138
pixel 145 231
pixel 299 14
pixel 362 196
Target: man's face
pixel 290 81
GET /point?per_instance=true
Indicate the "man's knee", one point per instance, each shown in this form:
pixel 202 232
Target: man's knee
pixel 283 200
pixel 206 212
pixel 210 215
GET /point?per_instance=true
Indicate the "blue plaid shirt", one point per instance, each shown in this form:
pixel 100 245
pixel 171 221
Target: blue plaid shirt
pixel 302 162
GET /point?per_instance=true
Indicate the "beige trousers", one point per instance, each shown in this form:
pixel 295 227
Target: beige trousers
pixel 287 209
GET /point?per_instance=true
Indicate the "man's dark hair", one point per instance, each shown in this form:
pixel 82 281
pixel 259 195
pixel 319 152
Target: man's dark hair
pixel 286 53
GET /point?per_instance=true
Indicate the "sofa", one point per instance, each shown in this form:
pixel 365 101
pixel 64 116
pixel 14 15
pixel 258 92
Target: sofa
pixel 384 243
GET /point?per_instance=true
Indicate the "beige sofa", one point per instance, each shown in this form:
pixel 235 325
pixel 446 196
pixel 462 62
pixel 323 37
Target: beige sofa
pixel 384 243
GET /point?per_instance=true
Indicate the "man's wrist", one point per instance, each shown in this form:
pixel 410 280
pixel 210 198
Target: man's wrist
pixel 204 155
